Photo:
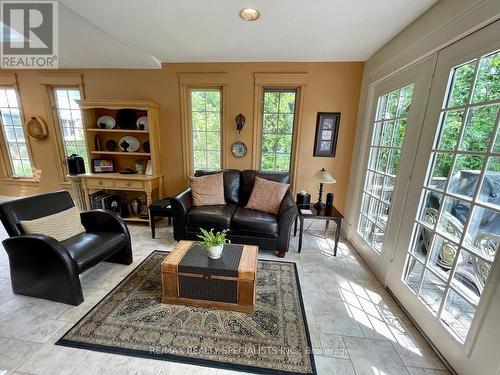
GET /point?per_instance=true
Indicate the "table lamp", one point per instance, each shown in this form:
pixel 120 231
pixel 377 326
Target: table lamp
pixel 323 177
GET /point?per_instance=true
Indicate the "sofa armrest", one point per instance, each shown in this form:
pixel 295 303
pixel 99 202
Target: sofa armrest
pixel 103 221
pixel 286 217
pixel 181 205
pixel 107 221
pixel 40 266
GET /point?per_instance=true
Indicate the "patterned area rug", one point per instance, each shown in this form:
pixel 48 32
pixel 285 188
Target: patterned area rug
pixel 131 320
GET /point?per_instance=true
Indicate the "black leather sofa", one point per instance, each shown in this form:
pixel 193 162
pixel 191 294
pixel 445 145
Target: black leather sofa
pixel 246 226
pixel 43 267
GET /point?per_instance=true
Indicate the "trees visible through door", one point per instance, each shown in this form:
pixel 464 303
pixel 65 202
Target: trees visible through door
pixel 457 229
pixel 389 131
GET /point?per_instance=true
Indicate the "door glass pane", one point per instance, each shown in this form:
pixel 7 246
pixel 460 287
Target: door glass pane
pixel 457 315
pixel 422 241
pixel 452 217
pixel 461 79
pixel 480 124
pixel 441 166
pixel 465 175
pixel 488 79
pixel 432 291
pixel 457 229
pixel 413 274
pixel 450 129
pixel 430 208
pixel 442 255
pixel 388 135
pixel 471 275
pixel 483 233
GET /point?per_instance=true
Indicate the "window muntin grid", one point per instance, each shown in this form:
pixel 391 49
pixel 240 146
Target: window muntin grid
pixel 388 135
pixel 206 118
pixel 278 121
pixel 13 132
pixel 455 236
pixel 70 123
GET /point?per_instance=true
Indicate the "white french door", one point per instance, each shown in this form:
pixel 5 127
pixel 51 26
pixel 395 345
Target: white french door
pixel 395 118
pixel 445 266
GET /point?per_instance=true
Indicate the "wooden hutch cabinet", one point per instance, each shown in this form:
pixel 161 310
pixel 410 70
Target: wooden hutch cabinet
pixel 128 186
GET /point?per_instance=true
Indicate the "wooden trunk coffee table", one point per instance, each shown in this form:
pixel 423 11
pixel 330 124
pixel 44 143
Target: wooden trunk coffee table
pixel 189 277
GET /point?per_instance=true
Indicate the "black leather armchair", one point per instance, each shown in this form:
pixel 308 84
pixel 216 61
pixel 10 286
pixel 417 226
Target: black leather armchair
pixel 246 226
pixel 43 267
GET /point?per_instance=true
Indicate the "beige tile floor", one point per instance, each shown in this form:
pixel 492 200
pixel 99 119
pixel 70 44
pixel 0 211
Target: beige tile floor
pixel 355 325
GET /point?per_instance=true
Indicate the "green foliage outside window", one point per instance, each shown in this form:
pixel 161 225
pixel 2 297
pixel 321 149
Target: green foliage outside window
pixel 206 128
pixel 480 120
pixel 277 130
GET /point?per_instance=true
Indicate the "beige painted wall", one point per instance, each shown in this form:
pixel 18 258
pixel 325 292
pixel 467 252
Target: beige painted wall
pixel 332 87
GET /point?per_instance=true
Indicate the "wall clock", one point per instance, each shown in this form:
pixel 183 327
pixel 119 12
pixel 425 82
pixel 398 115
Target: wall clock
pixel 239 149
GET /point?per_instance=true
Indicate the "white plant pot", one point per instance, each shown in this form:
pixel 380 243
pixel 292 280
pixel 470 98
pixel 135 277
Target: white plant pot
pixel 214 252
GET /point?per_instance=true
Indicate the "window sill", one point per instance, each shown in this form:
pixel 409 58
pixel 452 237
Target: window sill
pixel 20 181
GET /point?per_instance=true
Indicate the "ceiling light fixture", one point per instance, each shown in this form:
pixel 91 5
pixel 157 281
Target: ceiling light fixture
pixel 249 14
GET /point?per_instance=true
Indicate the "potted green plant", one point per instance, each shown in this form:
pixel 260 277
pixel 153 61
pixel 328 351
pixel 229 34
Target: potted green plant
pixel 213 242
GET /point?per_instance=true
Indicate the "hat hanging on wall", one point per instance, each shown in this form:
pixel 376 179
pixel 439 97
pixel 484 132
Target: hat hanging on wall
pixel 37 128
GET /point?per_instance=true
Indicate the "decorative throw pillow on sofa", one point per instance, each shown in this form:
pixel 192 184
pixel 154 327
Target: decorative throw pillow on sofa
pixel 61 226
pixel 208 190
pixel 267 195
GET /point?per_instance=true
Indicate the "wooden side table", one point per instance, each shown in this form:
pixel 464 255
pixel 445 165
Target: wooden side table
pixel 328 213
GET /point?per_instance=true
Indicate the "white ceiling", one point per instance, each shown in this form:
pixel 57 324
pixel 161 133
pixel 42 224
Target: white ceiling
pixel 126 33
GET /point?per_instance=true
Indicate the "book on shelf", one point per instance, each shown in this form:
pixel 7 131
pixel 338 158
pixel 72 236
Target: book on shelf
pixel 96 199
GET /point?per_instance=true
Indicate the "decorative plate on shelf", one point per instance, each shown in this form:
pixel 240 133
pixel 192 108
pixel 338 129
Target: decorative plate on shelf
pixel 142 123
pixel 239 149
pixel 129 144
pixel 106 122
pixel 126 118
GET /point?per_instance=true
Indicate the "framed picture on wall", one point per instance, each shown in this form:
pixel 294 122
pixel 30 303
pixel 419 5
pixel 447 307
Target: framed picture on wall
pixel 327 132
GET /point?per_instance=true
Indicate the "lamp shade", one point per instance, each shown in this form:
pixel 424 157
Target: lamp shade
pixel 323 177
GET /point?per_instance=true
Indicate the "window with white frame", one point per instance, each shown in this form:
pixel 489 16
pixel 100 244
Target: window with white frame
pixel 206 133
pixel 70 122
pixel 278 119
pixel 13 133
